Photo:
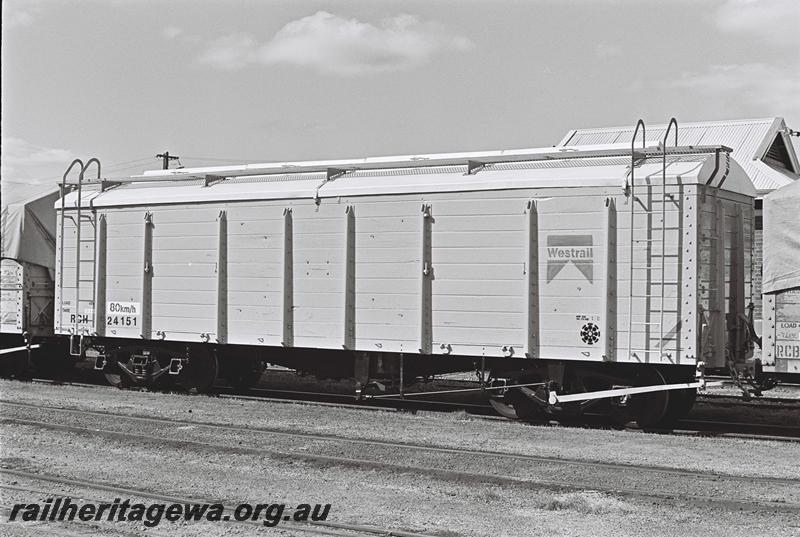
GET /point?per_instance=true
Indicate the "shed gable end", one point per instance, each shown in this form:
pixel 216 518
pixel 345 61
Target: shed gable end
pixel 777 155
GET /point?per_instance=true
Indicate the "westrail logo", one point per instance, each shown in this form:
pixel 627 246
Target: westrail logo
pixel 575 249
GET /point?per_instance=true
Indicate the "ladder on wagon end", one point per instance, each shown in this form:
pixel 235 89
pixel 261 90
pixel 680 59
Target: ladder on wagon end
pixel 79 315
pixel 655 244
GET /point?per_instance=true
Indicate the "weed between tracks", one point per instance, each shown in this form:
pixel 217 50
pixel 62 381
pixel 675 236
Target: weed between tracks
pixel 460 415
pixel 589 503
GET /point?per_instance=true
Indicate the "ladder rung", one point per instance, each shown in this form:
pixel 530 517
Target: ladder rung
pixel 647 240
pixel 645 323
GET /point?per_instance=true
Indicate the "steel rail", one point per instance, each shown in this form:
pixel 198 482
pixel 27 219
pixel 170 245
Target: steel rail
pixel 681 427
pixel 382 443
pixel 458 390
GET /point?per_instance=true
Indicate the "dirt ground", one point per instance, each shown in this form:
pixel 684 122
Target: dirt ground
pixel 189 460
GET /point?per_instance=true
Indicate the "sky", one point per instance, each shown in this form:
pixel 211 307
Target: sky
pixel 221 82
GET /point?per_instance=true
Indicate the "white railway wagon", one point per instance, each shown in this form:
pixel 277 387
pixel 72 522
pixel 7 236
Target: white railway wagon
pixel 567 272
pixel 27 263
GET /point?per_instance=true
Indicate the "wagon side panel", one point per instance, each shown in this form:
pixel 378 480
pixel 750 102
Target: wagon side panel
pixel 478 274
pixel 124 273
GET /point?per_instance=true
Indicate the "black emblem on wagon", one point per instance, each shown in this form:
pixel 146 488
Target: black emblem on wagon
pixel 590 333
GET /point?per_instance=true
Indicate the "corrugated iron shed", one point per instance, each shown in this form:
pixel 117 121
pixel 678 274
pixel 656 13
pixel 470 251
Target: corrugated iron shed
pixel 750 139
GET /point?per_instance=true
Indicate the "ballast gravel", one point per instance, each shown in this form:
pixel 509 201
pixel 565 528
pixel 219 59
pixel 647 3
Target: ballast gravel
pixel 232 466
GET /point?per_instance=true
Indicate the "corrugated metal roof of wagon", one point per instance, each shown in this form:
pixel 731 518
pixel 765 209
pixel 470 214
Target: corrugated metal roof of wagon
pixel 611 172
pixel 595 155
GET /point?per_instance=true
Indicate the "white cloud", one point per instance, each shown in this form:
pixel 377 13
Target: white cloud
pixel 23 161
pixel 26 168
pixel 605 51
pixel 18 13
pixel 335 45
pixel 179 35
pixel 18 18
pixel 171 32
pixel 776 21
pixel 231 52
pixel 759 88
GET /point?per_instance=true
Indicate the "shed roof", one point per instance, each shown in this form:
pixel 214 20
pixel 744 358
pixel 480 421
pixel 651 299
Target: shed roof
pixel 751 140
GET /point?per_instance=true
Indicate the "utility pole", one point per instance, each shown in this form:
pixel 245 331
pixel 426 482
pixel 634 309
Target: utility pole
pixel 166 157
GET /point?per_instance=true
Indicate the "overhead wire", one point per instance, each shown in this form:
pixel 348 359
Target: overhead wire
pixel 213 159
pixel 128 162
pixel 123 166
pixel 116 167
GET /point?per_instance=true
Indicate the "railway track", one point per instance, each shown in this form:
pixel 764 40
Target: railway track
pixel 509 469
pixel 698 427
pixel 730 400
pixel 685 427
pixel 361 441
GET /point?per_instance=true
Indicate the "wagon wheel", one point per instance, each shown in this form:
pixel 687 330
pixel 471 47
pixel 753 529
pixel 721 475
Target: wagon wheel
pixel 528 401
pixel 526 408
pixel 680 403
pixel 648 409
pixel 519 403
pixel 53 359
pixel 200 371
pixel 14 365
pixel 578 380
pixel 503 409
pixel 243 372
